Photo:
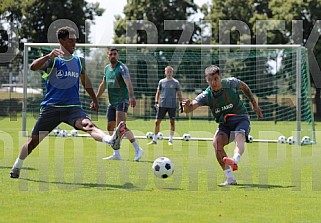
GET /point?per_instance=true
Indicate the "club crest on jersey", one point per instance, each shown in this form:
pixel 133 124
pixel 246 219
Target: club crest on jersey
pixel 64 74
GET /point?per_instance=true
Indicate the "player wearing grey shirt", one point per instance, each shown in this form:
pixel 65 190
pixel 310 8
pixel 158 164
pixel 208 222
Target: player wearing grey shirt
pixel 166 102
pixel 168 89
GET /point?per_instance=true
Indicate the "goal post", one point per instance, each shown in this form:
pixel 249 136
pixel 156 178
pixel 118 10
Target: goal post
pixel 278 75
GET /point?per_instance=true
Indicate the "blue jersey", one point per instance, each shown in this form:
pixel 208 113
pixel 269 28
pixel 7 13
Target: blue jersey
pixel 62 82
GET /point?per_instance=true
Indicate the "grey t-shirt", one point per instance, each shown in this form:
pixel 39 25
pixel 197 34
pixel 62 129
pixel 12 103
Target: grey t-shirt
pixel 168 89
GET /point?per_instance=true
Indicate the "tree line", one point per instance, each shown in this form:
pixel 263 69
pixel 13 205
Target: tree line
pixel 219 22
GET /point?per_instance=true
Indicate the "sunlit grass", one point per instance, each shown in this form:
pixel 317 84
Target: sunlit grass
pixel 66 180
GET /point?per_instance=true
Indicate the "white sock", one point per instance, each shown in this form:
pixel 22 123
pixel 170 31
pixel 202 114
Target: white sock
pixel 236 157
pixel 18 163
pixel 107 139
pixel 136 146
pixel 170 138
pixel 229 174
pixel 155 137
pixel 116 153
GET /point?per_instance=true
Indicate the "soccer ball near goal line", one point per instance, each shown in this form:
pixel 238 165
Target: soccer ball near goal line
pixel 56 132
pixel 160 136
pixel 163 167
pixel 250 138
pixel 291 140
pixel 306 140
pixel 186 137
pixel 149 135
pixel 63 133
pixel 74 132
pixel 282 139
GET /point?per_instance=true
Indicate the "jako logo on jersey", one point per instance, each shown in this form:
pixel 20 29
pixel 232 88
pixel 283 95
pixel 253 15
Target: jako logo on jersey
pixel 226 107
pixel 223 108
pixel 63 75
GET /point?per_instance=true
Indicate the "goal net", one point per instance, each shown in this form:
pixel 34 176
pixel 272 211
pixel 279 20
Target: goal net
pixel 278 76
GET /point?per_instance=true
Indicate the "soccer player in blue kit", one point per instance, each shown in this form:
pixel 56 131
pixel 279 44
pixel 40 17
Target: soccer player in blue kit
pixel 222 96
pixel 62 72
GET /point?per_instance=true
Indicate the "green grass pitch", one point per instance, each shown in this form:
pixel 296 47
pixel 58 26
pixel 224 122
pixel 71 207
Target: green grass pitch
pixel 66 180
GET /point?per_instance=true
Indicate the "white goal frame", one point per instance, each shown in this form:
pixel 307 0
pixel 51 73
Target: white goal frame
pixel 295 47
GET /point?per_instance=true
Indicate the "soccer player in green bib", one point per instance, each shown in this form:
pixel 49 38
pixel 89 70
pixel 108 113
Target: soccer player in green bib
pixel 222 96
pixel 120 91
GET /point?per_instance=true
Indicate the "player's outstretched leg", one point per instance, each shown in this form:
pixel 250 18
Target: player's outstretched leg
pixel 117 135
pixel 231 162
pixel 26 149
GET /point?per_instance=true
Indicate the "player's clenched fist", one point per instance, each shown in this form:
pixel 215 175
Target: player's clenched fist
pixel 56 53
pixel 186 105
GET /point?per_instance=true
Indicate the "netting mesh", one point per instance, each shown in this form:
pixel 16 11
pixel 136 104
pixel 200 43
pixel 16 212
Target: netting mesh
pixel 270 73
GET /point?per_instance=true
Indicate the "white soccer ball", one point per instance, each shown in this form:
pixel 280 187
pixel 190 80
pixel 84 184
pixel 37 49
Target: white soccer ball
pixel 282 139
pixel 163 167
pixel 149 135
pixel 250 138
pixel 74 132
pixel 291 140
pixel 160 136
pixel 56 132
pixel 63 133
pixel 306 140
pixel 186 137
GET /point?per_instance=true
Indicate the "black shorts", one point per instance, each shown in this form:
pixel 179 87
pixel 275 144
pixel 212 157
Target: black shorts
pixel 111 110
pixel 161 112
pixel 50 117
pixel 235 124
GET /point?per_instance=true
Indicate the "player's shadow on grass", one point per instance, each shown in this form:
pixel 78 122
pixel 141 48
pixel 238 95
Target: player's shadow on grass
pixel 23 168
pixel 170 188
pixel 130 160
pixel 127 186
pixel 262 186
pixel 145 161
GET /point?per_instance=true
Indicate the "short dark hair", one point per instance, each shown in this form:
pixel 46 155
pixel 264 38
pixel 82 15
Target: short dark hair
pixel 112 49
pixel 65 32
pixel 211 70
